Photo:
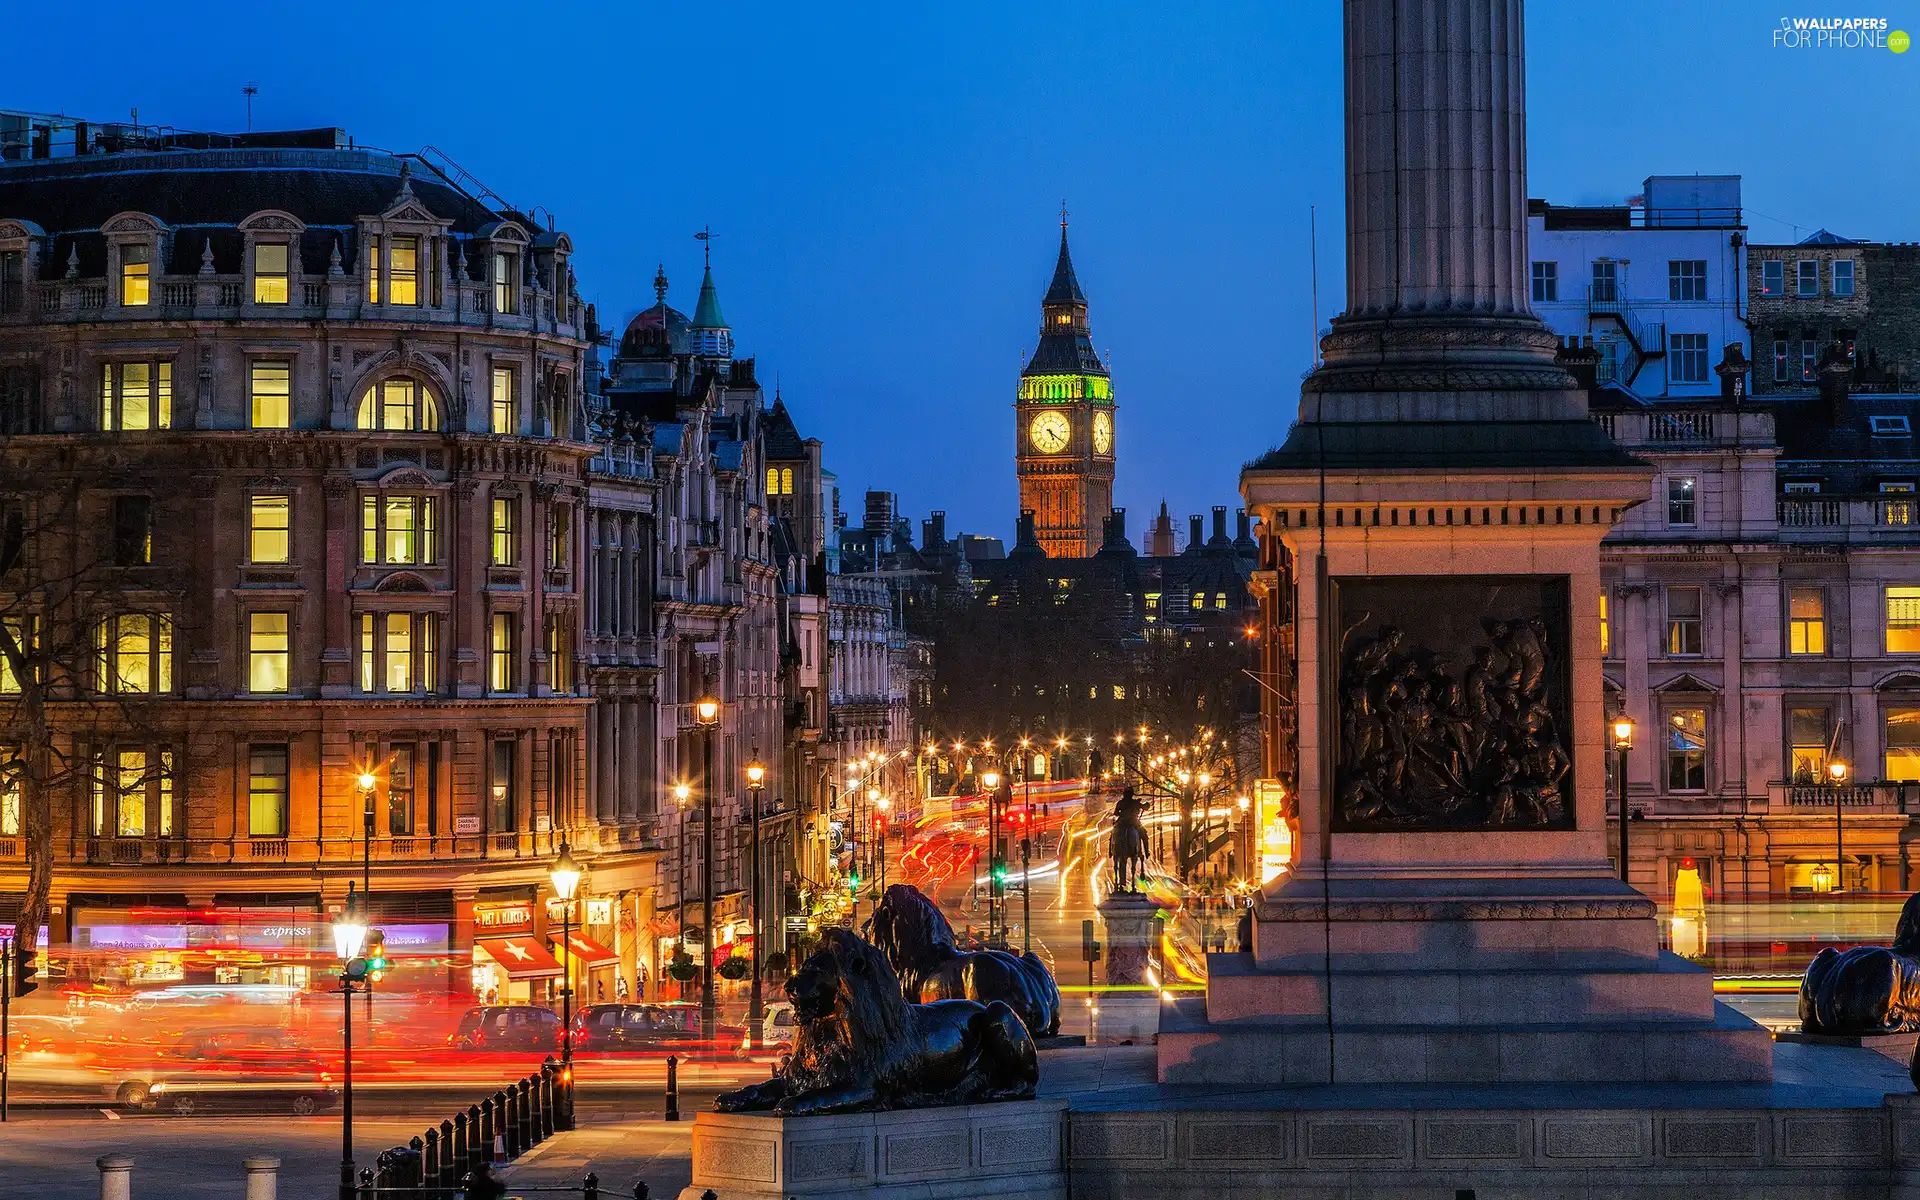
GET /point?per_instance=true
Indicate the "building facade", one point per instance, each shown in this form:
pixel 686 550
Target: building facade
pixel 296 437
pixel 1660 286
pixel 1064 423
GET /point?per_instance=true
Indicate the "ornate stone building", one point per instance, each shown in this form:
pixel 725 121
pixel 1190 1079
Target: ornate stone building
pixel 1063 428
pixel 295 434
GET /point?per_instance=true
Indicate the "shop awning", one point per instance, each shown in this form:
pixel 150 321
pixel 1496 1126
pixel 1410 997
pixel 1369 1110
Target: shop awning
pixel 520 957
pixel 589 952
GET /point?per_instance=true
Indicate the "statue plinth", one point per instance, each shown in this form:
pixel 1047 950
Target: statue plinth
pixel 1131 930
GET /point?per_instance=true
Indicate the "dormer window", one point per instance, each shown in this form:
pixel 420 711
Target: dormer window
pixel 403 273
pixel 1890 426
pixel 270 273
pixel 136 275
pixel 506 282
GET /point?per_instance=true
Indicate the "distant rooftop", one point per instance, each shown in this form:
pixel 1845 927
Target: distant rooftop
pixel 29 137
pixel 1665 202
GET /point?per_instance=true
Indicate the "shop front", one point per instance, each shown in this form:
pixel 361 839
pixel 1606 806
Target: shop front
pixel 513 970
pixel 590 964
pixel 242 954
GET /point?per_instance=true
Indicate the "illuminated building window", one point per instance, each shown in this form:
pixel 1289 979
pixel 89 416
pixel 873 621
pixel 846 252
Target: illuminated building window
pixel 501 667
pixel 397 405
pixel 500 788
pixel 136 396
pixel 24 631
pixel 1903 745
pixel 560 537
pixel 1687 750
pixel 1808 730
pixel 403 270
pixel 399 530
pixel 267 790
pixel 506 402
pixel 373 269
pixel 270 388
pixel 136 275
pixel 559 654
pixel 1903 620
pixel 269 529
pixel 506 282
pixel 11 774
pixel 269 651
pixel 270 273
pixel 504 528
pixel 398 653
pixel 132 792
pixel 1806 620
pixel 400 790
pixel 133 653
pixel 1606 628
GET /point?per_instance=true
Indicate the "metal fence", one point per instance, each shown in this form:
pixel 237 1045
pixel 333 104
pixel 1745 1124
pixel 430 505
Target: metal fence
pixel 501 1127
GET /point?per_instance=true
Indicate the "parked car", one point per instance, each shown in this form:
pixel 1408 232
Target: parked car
pixel 781 1026
pixel 507 1027
pixel 633 1028
pixel 245 1069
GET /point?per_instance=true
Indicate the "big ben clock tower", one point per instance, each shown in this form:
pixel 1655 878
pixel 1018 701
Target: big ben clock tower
pixel 1064 423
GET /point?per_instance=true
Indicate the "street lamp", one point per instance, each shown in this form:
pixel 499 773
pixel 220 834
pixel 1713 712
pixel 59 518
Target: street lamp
pixel 682 794
pixel 349 935
pixel 756 1008
pixel 990 780
pixel 367 782
pixel 1622 730
pixel 566 878
pixel 707 712
pixel 1837 774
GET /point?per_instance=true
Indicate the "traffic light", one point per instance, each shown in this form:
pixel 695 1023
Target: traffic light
pixel 376 954
pixel 1089 948
pixel 26 967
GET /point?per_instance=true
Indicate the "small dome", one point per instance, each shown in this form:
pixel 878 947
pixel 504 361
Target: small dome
pixel 659 330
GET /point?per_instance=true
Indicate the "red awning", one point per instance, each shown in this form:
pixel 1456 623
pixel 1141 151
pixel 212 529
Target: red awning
pixel 742 946
pixel 588 951
pixel 520 957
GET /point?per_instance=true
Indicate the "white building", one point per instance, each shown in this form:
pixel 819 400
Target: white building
pixel 1658 285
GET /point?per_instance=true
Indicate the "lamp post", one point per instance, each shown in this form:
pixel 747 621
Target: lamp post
pixel 990 780
pixel 1837 775
pixel 566 880
pixel 880 806
pixel 707 713
pixel 349 935
pixel 367 782
pixel 756 1008
pixel 1622 729
pixel 681 794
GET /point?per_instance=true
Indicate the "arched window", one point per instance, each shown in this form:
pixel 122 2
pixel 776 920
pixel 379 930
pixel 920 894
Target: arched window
pixel 786 481
pixel 398 404
pixel 773 481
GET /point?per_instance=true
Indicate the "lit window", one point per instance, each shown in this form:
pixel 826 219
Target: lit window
pixel 403 275
pixel 1684 621
pixel 1807 745
pixel 559 538
pixel 1807 277
pixel 786 481
pixel 1773 278
pixel 10 776
pixel 1687 750
pixel 24 632
pixel 1903 745
pixel 136 396
pixel 1806 620
pixel 773 481
pixel 269 649
pixel 373 269
pixel 397 405
pixel 398 530
pixel 1680 499
pixel 1896 511
pixel 1606 628
pixel 506 543
pixel 267 790
pixel 136 275
pixel 559 655
pixel 1687 279
pixel 397 653
pixel 500 664
pixel 506 402
pixel 500 788
pixel 269 529
pixel 369 652
pixel 132 531
pixel 133 653
pixel 400 791
pixel 270 273
pixel 1843 277
pixel 505 282
pixel 270 384
pixel 1903 620
pixel 132 791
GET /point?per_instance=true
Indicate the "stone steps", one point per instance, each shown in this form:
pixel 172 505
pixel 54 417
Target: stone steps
pixel 1667 989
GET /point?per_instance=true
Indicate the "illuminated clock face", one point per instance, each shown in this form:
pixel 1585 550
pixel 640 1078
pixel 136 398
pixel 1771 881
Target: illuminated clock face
pixel 1050 432
pixel 1103 432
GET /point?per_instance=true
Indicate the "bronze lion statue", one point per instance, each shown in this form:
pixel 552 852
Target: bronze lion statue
pixel 1866 989
pixel 920 946
pixel 861 1047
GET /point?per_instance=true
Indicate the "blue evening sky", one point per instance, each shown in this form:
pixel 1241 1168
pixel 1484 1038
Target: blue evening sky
pixel 884 181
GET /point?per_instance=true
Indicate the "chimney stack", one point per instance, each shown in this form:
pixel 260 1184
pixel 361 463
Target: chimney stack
pixel 1196 536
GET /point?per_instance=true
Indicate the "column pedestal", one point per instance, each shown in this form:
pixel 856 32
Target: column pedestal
pixel 1131 928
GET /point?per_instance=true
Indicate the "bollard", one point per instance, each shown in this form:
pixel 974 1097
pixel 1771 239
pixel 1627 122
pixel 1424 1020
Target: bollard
pixel 419 1164
pixel 590 1187
pixel 673 1087
pixel 528 1136
pixel 709 1194
pixel 430 1159
pixel 485 1151
pixel 565 1086
pixel 116 1177
pixel 547 1071
pixel 502 1123
pixel 461 1161
pixel 477 1150
pixel 366 1184
pixel 263 1177
pixel 510 1122
pixel 640 1191
pixel 445 1177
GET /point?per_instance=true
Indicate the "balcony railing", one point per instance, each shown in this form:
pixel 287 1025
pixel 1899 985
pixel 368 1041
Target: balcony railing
pixel 1876 797
pixel 1809 514
pixel 276 851
pixel 1680 427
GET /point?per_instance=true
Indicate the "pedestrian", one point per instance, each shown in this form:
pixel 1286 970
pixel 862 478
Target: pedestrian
pixel 619 987
pixel 599 990
pixel 493 995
